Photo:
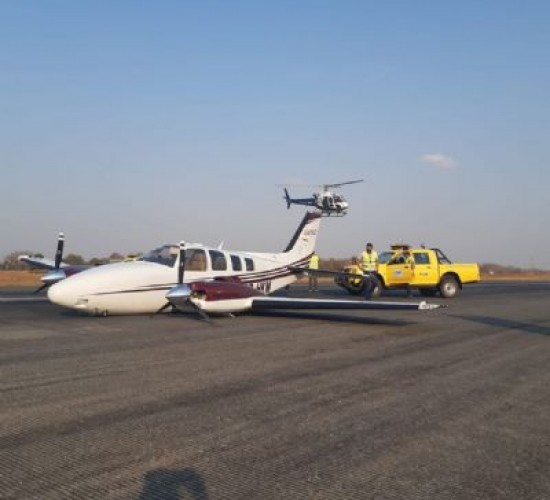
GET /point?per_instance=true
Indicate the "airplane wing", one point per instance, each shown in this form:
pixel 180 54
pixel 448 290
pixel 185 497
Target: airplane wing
pixel 39 262
pixel 323 272
pixel 263 303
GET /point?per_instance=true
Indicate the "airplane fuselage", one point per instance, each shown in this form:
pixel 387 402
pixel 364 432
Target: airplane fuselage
pixel 140 287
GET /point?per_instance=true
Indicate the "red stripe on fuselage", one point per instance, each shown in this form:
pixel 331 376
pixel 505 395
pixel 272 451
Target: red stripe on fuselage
pixel 223 290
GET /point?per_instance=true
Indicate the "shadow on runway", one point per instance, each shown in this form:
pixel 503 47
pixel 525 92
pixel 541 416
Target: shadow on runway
pixel 167 484
pixel 506 323
pixel 319 316
pixel 336 318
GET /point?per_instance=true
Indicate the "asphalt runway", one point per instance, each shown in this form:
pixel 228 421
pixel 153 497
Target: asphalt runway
pixel 445 404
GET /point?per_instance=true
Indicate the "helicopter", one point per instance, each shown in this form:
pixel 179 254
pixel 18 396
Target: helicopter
pixel 329 203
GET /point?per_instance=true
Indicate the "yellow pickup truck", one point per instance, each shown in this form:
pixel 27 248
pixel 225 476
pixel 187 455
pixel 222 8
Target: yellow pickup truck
pixel 431 273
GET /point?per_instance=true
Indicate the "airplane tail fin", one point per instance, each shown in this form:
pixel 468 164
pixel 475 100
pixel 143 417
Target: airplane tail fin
pixel 302 244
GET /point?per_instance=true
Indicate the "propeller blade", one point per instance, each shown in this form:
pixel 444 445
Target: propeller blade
pixel 179 297
pixel 181 265
pixel 200 312
pixel 165 306
pixel 38 290
pixel 59 251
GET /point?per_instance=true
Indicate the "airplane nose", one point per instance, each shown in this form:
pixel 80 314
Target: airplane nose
pixel 61 295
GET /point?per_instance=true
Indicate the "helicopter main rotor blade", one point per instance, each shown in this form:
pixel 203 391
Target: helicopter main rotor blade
pixel 327 186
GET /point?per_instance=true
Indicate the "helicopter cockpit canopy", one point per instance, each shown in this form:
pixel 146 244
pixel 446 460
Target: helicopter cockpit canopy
pixel 165 255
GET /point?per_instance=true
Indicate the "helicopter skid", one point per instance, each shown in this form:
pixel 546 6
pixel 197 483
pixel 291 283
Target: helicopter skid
pixel 333 214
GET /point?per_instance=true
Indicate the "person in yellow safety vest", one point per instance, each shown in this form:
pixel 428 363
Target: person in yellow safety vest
pixel 369 264
pixel 313 264
pixel 369 259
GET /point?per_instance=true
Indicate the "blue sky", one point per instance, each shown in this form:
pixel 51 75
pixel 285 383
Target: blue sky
pixel 127 124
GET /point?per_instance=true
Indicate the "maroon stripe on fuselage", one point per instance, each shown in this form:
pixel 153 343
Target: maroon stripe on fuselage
pixel 223 290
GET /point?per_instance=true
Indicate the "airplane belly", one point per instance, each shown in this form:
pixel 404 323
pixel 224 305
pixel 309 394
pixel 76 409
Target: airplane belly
pixel 143 302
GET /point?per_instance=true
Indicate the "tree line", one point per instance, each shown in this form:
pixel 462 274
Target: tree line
pixel 12 263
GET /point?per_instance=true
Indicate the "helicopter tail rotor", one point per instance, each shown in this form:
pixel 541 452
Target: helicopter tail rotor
pixel 287 198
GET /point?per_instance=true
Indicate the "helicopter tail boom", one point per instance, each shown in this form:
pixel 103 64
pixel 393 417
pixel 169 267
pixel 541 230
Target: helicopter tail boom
pixel 308 202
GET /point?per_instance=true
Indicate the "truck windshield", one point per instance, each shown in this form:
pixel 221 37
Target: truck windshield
pixel 384 257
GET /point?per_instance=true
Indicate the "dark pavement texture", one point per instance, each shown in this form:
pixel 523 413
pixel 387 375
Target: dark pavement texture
pixel 446 404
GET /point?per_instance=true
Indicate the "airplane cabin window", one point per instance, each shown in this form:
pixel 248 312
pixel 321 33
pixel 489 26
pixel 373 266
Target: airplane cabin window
pixel 219 263
pixel 195 260
pixel 236 263
pixel 249 264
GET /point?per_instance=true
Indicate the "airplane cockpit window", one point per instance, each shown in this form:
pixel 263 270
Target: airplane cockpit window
pixel 165 255
pixel 219 263
pixel 195 259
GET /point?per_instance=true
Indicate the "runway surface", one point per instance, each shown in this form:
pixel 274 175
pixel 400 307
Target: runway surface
pixel 446 404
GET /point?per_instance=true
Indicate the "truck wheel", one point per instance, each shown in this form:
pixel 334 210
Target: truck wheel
pixel 428 292
pixel 449 287
pixel 377 290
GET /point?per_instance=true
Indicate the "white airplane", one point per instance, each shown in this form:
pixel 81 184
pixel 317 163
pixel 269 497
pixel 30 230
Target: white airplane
pixel 205 279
